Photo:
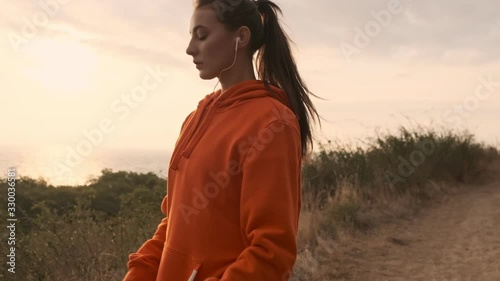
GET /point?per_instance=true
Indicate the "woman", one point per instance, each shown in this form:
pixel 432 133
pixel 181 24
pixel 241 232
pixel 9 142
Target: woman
pixel 233 195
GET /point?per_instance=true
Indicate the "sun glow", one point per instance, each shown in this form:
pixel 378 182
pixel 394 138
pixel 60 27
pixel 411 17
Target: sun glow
pixel 62 67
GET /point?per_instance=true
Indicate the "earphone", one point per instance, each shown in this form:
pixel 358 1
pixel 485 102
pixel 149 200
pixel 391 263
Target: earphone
pixel 238 39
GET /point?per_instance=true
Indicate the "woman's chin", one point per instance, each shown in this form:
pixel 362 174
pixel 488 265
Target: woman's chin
pixel 206 76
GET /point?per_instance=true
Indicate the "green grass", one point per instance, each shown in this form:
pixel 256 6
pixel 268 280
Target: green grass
pixel 399 161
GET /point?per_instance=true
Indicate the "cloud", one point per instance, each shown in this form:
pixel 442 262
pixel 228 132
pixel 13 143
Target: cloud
pixel 450 31
pixel 433 28
pixel 151 31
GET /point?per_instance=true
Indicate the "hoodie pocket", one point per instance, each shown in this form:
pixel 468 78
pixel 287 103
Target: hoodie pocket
pixel 177 265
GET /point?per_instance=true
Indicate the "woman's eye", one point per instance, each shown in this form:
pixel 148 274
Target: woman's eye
pixel 201 35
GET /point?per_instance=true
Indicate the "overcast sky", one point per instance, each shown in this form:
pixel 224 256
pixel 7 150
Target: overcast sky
pixel 66 67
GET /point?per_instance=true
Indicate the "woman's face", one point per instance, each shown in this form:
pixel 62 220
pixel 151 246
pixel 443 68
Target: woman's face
pixel 211 45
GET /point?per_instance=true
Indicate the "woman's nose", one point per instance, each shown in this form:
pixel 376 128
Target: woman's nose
pixel 190 48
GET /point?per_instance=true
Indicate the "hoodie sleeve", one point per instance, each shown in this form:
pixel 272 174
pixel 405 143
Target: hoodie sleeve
pixel 143 265
pixel 270 206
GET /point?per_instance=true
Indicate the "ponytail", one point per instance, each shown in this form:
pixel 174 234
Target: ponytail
pixel 276 65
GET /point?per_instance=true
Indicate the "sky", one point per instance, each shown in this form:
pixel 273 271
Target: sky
pixel 69 67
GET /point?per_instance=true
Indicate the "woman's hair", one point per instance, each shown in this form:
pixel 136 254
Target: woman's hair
pixel 275 63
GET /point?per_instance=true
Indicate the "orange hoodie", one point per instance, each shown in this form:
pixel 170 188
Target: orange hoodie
pixel 233 193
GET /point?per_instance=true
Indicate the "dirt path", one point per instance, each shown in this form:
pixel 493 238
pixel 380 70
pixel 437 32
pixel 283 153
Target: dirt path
pixel 456 240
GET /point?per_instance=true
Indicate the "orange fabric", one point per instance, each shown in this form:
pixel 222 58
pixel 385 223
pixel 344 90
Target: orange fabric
pixel 233 193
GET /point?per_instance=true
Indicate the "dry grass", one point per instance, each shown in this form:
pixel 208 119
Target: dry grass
pixel 327 233
pixel 346 195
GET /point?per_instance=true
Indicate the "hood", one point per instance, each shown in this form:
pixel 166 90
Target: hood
pixel 199 119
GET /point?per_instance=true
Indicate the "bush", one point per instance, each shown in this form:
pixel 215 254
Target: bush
pixel 399 161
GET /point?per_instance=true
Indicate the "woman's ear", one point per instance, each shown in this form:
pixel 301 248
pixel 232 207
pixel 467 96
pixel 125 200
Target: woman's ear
pixel 245 36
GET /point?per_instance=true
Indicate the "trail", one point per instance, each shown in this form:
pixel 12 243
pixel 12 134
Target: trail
pixel 456 240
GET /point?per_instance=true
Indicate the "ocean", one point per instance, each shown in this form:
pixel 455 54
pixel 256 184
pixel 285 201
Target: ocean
pixel 61 166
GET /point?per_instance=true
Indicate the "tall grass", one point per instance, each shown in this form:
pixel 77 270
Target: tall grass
pixel 87 232
pixel 407 158
pixel 349 190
